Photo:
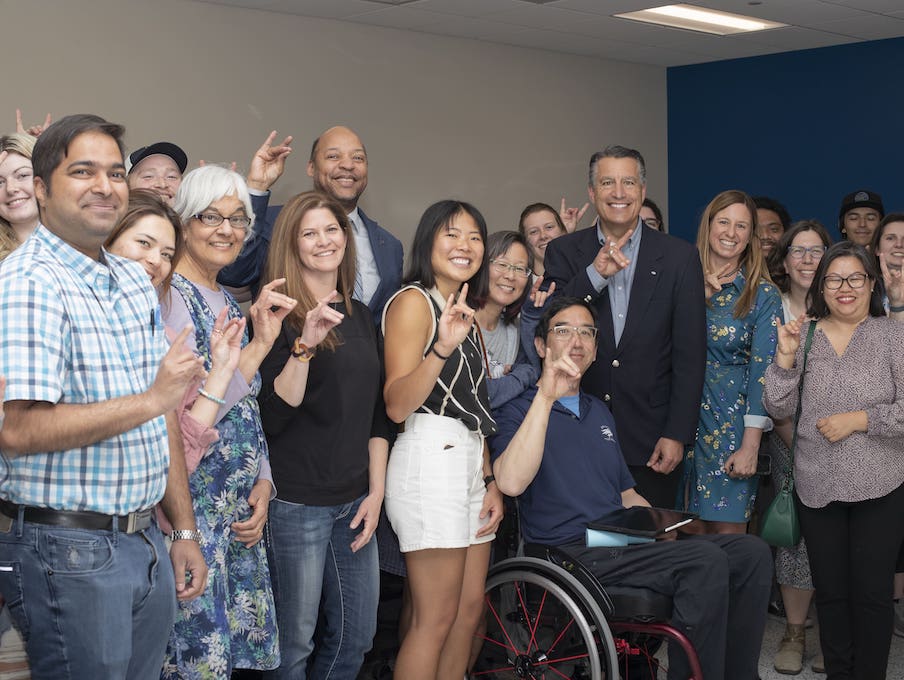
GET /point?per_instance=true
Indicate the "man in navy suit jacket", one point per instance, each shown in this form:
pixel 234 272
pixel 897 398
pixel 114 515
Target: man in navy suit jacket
pixel 338 166
pixel 647 288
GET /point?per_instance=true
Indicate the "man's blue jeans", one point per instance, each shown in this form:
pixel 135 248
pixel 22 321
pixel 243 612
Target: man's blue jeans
pixel 310 558
pixel 89 604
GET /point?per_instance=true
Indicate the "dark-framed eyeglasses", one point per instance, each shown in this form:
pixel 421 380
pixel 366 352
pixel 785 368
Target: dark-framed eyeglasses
pixel 834 282
pixel 240 222
pixel 799 252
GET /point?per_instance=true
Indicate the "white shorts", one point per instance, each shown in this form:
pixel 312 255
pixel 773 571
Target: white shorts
pixel 434 484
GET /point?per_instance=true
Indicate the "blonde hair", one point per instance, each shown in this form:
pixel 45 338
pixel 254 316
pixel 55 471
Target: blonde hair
pixel 283 260
pixel 24 146
pixel 751 259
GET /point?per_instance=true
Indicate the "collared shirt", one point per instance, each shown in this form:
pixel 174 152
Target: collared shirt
pixel 367 277
pixel 619 284
pixel 77 331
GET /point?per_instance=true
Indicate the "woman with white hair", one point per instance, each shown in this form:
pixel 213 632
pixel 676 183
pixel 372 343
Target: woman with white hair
pixel 233 624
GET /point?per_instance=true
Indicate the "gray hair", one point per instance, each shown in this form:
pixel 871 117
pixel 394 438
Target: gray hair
pixel 616 151
pixel 207 184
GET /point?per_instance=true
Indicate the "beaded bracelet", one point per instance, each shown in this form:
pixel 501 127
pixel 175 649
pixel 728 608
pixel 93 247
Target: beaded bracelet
pixel 208 395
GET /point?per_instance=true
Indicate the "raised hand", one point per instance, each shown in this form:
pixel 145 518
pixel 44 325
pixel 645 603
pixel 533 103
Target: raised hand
pixel 559 377
pixel 571 216
pixel 788 341
pixel 178 368
pixel 320 320
pixel 226 343
pixel 610 260
pixel 268 311
pixel 539 297
pixel 713 280
pixel 34 130
pixel 894 282
pixel 455 322
pixel 268 163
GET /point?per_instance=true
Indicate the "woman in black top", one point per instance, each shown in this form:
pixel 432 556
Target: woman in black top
pixel 323 414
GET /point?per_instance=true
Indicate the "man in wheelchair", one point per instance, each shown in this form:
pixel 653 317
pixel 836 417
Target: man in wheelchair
pixel 557 449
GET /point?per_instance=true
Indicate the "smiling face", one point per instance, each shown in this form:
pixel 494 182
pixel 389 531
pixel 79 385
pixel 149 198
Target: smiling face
pixel 457 252
pixel 157 173
pixel 847 303
pixel 539 229
pixel 582 351
pixel 891 245
pixel 87 194
pixel 151 242
pixel 17 191
pixel 212 248
pixel 729 234
pixel 506 286
pixel 321 241
pixel 769 229
pixel 801 270
pixel 859 225
pixel 617 193
pixel 339 166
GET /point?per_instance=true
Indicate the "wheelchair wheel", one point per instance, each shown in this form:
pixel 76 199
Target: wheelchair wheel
pixel 539 628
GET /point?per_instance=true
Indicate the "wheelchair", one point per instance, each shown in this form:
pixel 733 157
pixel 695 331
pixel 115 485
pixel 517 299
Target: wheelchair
pixel 548 617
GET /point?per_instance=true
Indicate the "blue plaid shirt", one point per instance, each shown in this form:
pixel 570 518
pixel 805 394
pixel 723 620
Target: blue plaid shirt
pixel 77 331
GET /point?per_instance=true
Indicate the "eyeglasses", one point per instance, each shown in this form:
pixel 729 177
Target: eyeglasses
pixel 239 222
pixel 568 332
pixel 856 280
pixel 798 252
pixel 516 269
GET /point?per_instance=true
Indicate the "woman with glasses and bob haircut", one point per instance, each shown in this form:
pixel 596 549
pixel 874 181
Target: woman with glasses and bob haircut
pixel 720 480
pixel 441 497
pixel 849 458
pixel 233 624
pixel 792 264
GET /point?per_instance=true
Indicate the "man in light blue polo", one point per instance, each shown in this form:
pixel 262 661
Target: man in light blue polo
pixel 90 443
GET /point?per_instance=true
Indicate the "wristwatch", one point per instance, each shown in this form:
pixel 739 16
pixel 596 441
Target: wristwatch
pixel 489 479
pixel 301 351
pixel 186 535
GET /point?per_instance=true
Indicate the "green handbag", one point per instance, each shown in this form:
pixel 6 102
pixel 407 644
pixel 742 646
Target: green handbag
pixel 780 526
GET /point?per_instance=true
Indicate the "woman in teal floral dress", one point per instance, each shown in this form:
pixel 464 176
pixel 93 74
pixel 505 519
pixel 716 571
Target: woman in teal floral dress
pixel 742 304
pixel 233 624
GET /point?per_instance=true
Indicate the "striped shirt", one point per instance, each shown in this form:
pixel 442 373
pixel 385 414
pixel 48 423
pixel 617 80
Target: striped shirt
pixel 460 391
pixel 77 331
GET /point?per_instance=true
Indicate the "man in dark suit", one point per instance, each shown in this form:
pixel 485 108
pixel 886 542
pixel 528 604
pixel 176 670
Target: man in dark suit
pixel 647 288
pixel 338 166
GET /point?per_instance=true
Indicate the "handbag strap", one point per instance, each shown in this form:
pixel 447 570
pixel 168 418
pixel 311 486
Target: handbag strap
pixel 789 478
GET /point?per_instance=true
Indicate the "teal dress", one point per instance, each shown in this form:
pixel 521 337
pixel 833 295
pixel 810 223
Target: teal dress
pixel 233 623
pixel 737 354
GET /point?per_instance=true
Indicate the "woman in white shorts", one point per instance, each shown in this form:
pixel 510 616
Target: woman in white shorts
pixel 441 498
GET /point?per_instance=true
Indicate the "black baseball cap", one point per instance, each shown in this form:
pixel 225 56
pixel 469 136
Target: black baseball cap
pixel 862 198
pixel 162 148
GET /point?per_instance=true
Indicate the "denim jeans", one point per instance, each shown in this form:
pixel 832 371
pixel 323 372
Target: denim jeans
pixel 313 567
pixel 89 604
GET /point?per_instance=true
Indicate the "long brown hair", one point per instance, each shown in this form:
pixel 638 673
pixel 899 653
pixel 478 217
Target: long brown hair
pixel 751 259
pixel 283 260
pixel 144 202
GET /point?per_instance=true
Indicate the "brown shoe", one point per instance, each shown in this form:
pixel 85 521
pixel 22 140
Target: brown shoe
pixel 819 664
pixel 789 659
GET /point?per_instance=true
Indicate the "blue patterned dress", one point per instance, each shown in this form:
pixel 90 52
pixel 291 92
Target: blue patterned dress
pixel 233 624
pixel 737 354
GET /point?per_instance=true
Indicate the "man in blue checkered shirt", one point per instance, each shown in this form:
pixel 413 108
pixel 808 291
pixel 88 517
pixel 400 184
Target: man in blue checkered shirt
pixel 90 442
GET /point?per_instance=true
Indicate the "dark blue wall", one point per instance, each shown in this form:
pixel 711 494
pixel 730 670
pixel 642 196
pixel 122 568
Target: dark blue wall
pixel 804 127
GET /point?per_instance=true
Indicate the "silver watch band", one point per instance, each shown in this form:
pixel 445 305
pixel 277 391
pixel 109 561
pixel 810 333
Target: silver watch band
pixel 186 535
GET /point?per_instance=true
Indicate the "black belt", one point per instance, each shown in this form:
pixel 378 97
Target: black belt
pixel 76 519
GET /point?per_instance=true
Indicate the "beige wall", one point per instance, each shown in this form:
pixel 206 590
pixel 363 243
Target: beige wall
pixel 441 117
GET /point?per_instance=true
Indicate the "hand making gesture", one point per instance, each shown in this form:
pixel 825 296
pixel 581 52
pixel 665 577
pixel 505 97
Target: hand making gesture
pixel 713 280
pixel 539 297
pixel 320 320
pixel 268 163
pixel 33 130
pixel 894 282
pixel 571 216
pixel 788 341
pixel 610 260
pixel 455 322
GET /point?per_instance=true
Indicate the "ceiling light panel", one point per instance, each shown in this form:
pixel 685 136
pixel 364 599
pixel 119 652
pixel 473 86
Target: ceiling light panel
pixel 700 19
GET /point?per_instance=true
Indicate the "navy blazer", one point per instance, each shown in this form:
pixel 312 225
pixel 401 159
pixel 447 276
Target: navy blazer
pixel 653 379
pixel 248 267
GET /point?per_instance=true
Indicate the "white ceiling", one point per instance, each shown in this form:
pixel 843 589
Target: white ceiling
pixel 586 27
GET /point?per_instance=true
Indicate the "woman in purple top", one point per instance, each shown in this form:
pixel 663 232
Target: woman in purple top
pixel 849 460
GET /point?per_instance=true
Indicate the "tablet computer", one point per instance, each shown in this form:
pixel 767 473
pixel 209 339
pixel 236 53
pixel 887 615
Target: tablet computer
pixel 642 521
